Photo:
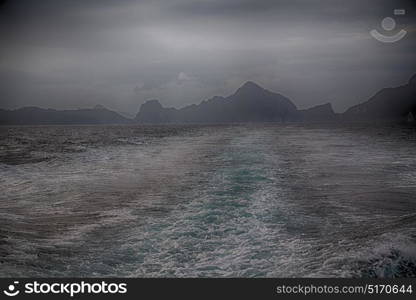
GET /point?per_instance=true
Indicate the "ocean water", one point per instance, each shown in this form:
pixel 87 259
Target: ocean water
pixel 250 200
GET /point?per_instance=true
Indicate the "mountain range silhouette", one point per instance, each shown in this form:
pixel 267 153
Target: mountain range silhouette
pixel 250 103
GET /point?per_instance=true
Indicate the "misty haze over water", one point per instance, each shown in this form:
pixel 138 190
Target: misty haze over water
pixel 64 54
pixel 185 138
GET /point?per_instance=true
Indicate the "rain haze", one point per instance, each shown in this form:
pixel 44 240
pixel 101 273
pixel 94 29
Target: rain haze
pixel 208 138
pixel 77 54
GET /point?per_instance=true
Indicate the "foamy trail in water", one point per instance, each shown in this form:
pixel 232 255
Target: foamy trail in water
pixel 253 200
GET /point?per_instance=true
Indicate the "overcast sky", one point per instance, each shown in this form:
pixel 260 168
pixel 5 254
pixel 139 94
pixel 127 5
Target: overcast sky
pixel 79 53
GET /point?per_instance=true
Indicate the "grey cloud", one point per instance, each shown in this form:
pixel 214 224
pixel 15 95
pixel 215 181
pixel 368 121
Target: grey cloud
pixel 120 53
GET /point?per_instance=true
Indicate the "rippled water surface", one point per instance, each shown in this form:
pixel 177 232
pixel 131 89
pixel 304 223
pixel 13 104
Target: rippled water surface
pixel 237 201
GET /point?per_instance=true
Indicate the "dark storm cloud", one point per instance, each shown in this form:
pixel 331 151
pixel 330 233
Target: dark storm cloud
pixel 119 53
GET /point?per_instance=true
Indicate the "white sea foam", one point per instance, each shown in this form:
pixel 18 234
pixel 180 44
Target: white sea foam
pixel 246 201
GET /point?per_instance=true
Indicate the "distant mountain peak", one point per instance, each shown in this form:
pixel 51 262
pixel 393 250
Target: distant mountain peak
pixel 250 103
pixel 152 112
pixel 251 90
pixel 412 80
pixel 35 115
pixel 326 106
pixel 319 113
pixel 387 104
pixel 99 107
pixel 250 86
pixel 153 103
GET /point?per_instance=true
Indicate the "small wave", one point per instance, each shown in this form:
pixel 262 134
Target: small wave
pixel 393 257
pixel 130 141
pixel 20 158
